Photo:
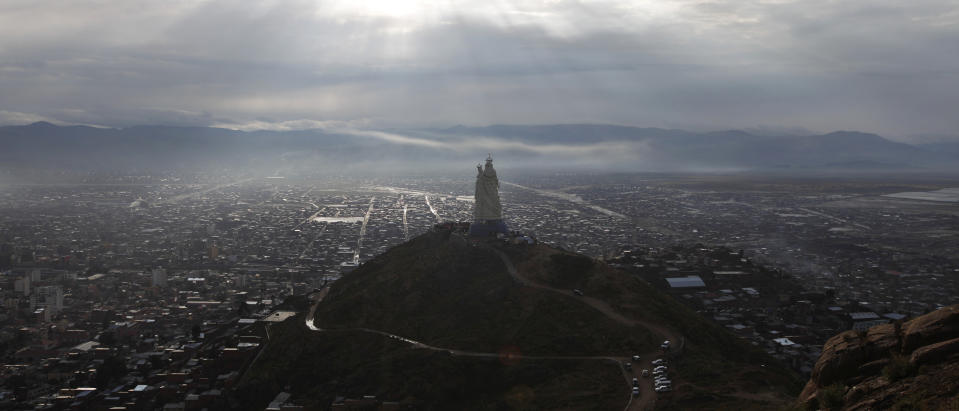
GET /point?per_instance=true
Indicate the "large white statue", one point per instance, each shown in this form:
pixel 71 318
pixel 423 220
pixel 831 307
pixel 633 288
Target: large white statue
pixel 487 193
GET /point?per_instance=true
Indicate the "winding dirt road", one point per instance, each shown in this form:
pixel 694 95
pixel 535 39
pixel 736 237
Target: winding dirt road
pixel 647 397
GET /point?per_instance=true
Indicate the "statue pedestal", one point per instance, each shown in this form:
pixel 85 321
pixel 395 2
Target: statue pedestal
pixel 488 228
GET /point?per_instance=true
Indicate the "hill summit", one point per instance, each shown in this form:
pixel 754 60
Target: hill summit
pixel 444 321
pixel 443 289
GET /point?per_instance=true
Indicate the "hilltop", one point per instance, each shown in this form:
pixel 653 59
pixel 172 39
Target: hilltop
pixel 497 325
pixel 909 365
pixel 446 292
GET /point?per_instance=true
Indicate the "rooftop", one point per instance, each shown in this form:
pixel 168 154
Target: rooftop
pixel 686 282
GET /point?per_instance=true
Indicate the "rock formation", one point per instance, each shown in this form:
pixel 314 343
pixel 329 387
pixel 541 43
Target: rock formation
pixel 913 364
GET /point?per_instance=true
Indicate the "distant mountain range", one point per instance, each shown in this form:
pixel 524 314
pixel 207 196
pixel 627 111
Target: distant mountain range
pixel 736 149
pixel 548 147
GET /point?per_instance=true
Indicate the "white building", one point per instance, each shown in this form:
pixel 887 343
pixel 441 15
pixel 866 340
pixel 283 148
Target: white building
pixel 49 298
pixel 691 281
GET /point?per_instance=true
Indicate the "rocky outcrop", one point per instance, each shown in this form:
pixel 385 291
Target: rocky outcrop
pixel 843 355
pixel 933 353
pixel 931 328
pixel 885 364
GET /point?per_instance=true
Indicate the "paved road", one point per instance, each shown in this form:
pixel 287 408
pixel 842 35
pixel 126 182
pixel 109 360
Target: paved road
pixel 406 227
pixel 573 198
pixel 311 217
pixel 196 194
pixel 315 236
pixel 432 210
pixel 359 241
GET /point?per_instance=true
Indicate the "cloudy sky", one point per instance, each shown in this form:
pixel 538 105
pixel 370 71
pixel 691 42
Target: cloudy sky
pixel 890 67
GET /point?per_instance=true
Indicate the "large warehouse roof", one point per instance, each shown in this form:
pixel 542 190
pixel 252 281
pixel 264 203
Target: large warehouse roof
pixel 686 282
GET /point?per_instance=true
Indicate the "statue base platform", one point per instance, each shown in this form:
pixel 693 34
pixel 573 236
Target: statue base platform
pixel 488 228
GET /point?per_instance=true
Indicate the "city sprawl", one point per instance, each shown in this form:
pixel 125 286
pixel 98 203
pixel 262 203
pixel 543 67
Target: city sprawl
pixel 164 283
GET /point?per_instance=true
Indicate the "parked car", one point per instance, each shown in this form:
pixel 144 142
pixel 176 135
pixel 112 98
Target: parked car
pixel 658 361
pixel 645 373
pixel 578 292
pixel 663 389
pixel 635 358
pixel 628 366
pixel 635 382
pixel 635 391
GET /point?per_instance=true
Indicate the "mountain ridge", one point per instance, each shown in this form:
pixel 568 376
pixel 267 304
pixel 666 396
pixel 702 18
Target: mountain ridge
pixel 577 146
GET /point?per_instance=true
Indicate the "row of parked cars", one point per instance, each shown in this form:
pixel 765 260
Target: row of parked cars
pixel 629 367
pixel 661 381
pixel 660 373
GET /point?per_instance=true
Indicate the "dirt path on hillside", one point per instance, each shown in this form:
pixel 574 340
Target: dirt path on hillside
pixel 646 399
pixel 616 361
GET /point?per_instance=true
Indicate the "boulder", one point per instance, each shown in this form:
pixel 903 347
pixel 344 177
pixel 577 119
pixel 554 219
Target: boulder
pixel 844 353
pixel 856 360
pixel 939 325
pixel 934 353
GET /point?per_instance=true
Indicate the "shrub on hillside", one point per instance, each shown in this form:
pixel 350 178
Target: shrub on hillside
pixel 831 397
pixel 569 270
pixel 898 368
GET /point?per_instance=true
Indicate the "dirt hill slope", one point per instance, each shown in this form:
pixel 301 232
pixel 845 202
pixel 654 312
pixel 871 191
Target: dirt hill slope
pixel 443 322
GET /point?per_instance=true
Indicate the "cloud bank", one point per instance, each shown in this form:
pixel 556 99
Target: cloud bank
pixel 883 66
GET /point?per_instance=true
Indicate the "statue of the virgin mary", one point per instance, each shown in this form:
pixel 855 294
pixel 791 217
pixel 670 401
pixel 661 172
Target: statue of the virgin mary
pixel 487 211
pixel 487 205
